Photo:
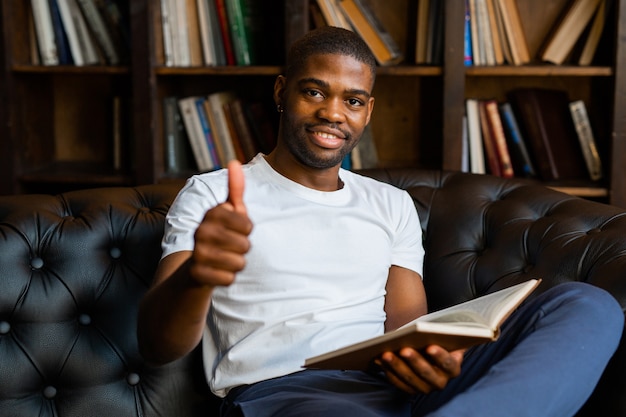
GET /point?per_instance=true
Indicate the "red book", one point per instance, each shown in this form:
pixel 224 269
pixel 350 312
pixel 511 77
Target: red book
pixel 220 5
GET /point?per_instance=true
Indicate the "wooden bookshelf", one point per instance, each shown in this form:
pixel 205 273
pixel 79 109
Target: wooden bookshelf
pixel 55 122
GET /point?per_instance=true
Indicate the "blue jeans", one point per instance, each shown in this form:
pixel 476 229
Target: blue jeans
pixel 547 361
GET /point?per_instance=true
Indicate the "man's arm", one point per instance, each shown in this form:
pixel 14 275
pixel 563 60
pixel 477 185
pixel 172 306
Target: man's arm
pixel 172 314
pixel 410 370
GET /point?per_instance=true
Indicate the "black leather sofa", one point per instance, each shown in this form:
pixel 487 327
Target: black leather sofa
pixel 73 268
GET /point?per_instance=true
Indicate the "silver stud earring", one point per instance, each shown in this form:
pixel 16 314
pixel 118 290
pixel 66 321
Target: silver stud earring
pixel 279 108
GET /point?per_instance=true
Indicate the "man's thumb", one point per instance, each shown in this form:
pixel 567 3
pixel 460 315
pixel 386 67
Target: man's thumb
pixel 236 186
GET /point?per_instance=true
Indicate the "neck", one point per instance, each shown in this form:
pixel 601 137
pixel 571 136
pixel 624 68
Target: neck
pixel 317 179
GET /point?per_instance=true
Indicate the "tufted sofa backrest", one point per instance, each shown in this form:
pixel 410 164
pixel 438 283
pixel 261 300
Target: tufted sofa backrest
pixel 72 271
pixel 74 267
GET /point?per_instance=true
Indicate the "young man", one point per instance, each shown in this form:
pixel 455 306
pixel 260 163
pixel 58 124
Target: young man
pixel 290 256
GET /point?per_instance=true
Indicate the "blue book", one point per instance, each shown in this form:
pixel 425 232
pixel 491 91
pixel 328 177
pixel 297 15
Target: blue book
pixel 515 141
pixel 204 121
pixel 467 43
pixel 60 37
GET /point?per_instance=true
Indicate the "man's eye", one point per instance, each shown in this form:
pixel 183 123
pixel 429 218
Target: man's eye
pixel 355 102
pixel 313 93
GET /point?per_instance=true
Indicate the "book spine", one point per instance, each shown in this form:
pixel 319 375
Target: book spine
pixel 239 32
pixel 45 33
pixel 586 138
pixel 194 132
pixel 476 148
pixel 519 153
pixel 467 38
pixel 99 29
pixel 499 138
pixel 60 35
pixel 208 135
pixel 177 146
pixel 219 126
pixel 493 162
pixel 220 6
pixel 166 27
pixel 193 34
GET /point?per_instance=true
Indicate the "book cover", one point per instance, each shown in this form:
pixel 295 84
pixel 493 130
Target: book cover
pixel 545 120
pixel 222 18
pixel 245 19
pixel 242 128
pixel 522 163
pixel 178 152
pixel 499 138
pixel 467 324
pixel 44 30
pixel 207 133
pixel 467 38
pixel 489 142
pixel 365 23
pixel 595 33
pixel 191 120
pixel 80 41
pixel 569 27
pixel 100 31
pixel 60 35
pixel 514 30
pixel 219 124
pixel 475 138
pixel 193 34
pixel 586 139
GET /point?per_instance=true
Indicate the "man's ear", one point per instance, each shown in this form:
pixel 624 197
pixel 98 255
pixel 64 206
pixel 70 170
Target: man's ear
pixel 279 89
pixel 370 109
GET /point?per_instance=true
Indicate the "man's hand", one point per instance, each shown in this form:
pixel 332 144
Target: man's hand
pixel 421 372
pixel 221 240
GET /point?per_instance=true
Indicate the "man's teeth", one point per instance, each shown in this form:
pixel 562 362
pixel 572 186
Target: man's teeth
pixel 327 135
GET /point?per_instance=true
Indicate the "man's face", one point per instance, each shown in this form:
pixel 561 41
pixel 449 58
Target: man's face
pixel 326 107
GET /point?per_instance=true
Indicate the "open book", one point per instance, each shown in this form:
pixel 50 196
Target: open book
pixel 460 326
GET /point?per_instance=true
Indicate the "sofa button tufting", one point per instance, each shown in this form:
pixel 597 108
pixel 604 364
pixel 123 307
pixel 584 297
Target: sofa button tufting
pixel 132 378
pixel 84 319
pixel 36 263
pixel 5 327
pixel 115 252
pixel 49 392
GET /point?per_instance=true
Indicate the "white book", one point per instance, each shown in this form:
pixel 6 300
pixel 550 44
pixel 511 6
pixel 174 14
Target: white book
pixel 180 35
pixel 197 140
pixel 166 27
pixel 475 137
pixel 586 139
pixel 45 33
pixel 71 32
pixel 460 326
pixel 206 36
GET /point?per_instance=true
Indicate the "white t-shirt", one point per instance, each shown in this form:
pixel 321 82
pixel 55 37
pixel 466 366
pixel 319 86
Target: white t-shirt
pixel 315 275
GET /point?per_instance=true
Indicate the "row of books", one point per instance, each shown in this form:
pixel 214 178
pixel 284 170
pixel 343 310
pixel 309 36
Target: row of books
pixel 79 32
pixel 494 34
pixel 214 32
pixel 534 133
pixel 203 133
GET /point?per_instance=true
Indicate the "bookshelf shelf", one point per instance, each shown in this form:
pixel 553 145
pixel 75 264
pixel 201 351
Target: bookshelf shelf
pixel 417 122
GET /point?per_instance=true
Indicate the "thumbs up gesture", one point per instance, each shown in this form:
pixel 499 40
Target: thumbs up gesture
pixel 221 240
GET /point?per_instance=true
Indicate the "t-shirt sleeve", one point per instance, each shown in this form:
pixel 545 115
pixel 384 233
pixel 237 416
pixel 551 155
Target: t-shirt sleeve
pixel 185 214
pixel 408 248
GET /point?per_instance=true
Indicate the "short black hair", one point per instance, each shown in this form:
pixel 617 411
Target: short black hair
pixel 329 40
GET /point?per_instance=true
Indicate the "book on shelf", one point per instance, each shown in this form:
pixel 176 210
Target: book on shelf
pixel 434 44
pixel 222 18
pixel 475 137
pixel 207 133
pixel 42 19
pixel 246 19
pixel 210 36
pixel 241 125
pixel 514 31
pixel 595 33
pixel 478 53
pixel 101 31
pixel 568 29
pixel 489 142
pixel 496 39
pixel 586 139
pixel 498 136
pixel 60 36
pixel 193 33
pixel 80 42
pixel 461 326
pixel 421 34
pixel 332 15
pixel 195 133
pixel 366 24
pixel 219 125
pixel 545 120
pixel 178 152
pixel 167 28
pixel 520 158
pixel 485 38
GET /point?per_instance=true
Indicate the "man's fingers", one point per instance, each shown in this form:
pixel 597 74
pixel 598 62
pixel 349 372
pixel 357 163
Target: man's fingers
pixel 236 186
